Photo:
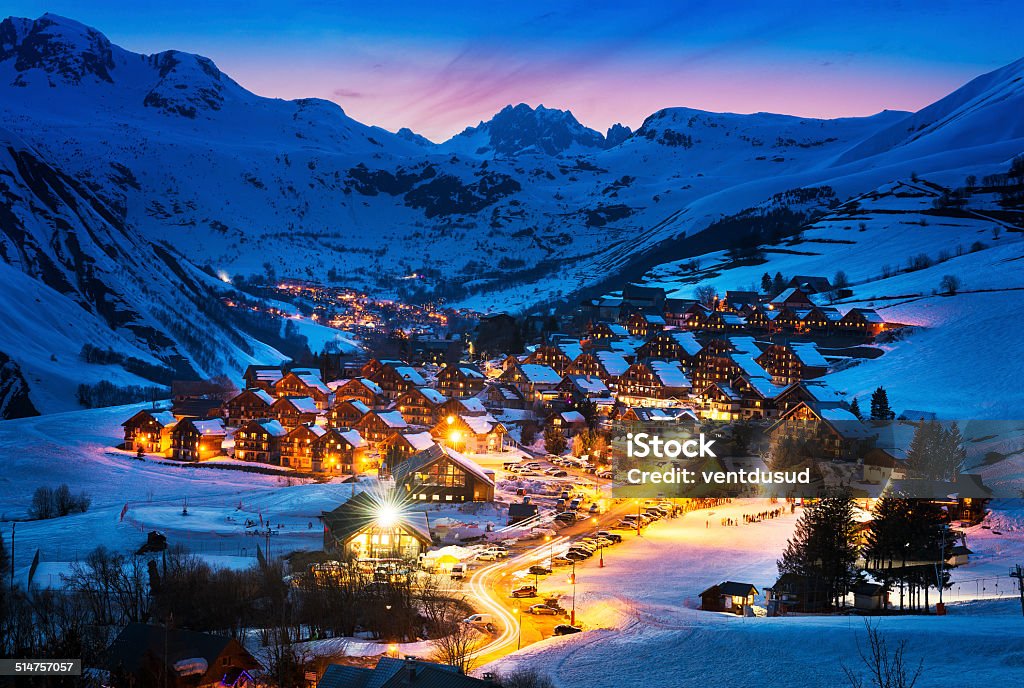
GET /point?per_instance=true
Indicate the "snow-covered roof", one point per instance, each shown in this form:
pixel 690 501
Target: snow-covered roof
pixel 317 430
pixel 357 404
pixel 263 395
pixel 212 426
pixel 572 349
pixel 654 319
pixel 785 294
pixel 573 417
pixel 301 404
pixel 393 419
pixel 470 371
pixel 314 382
pixel 764 386
pixel 419 440
pixel 590 384
pixel 353 438
pixel 808 354
pixel 745 345
pixel 749 366
pixel 845 423
pixel 540 374
pixel 614 362
pixel 432 395
pixel 687 342
pixel 670 373
pixel 480 425
pixel 273 428
pixel 407 372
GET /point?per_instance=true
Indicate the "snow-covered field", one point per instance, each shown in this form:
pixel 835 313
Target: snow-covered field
pixel 644 627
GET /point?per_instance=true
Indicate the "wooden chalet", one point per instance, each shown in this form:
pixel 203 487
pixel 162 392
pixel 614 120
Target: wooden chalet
pixel 395 378
pixel 758 396
pixel 193 439
pixel 362 389
pixel 471 434
pixel 653 383
pixel 789 363
pixel 346 413
pixel 304 384
pixel 458 380
pixel 681 312
pixel 719 401
pixel 297 447
pixel 377 426
pixel 501 395
pixel 810 284
pixel 864 321
pixel 199 398
pixel 671 345
pixel 260 441
pixel 824 433
pixel 147 655
pixel 462 407
pixel 535 382
pixel 604 330
pixel 440 474
pixel 149 431
pixel 645 325
pixel 247 405
pixel 606 365
pixel 740 302
pixel 791 298
pixel 569 423
pixel 406 443
pixel 644 298
pixel 419 405
pixel 292 412
pixel 262 377
pixel 338 452
pixel 813 392
pixel 370 528
pixel 728 596
pixel 573 387
pixel 551 356
pixel 757 320
pixel 815 320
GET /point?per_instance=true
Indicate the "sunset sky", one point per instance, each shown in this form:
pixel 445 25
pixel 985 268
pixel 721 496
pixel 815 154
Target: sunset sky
pixel 438 67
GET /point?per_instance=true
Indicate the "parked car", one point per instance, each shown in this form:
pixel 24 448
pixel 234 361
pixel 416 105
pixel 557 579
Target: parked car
pixel 566 629
pixel 542 609
pixel 561 560
pixel 614 537
pixel 525 591
pixel 539 570
pixel 566 517
pixel 478 620
pixel 594 508
pixel 577 555
pixel 458 571
pixel 558 473
pixel 487 556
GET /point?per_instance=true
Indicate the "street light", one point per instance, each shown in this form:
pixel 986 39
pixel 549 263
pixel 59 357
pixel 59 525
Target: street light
pixel 572 579
pixel 519 640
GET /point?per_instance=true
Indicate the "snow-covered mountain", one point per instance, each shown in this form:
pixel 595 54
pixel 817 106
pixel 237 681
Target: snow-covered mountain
pixel 523 129
pixel 528 208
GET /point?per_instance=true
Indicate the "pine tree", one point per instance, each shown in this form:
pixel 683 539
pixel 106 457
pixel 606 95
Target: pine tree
pixel 554 440
pixel 855 409
pixel 936 453
pixel 823 548
pixel 766 283
pixel 880 405
pixel 778 284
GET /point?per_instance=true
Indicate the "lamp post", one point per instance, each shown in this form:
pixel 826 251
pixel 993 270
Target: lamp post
pixel 572 579
pixel 519 639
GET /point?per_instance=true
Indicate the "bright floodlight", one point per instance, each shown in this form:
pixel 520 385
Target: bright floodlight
pixel 387 515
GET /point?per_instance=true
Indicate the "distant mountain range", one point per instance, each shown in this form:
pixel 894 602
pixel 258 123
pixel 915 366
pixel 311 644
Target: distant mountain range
pixel 122 173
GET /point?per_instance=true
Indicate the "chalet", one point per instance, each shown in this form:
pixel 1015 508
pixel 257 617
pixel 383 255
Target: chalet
pixel 406 444
pixel 880 467
pixel 536 382
pixel 294 411
pixel 573 387
pixel 392 672
pixel 262 377
pixel 260 441
pixel 645 324
pixel 197 440
pixel 824 433
pixel 815 320
pixel 297 447
pixel 810 284
pixel 673 345
pixel 604 330
pixel 420 404
pixel 669 416
pixel 345 414
pixel 787 318
pixel 397 377
pixel 500 395
pixel 372 527
pixel 758 396
pixel 607 365
pixel 757 319
pixel 644 298
pixel 461 407
pixel 149 431
pixel 301 383
pixel 247 405
pixel 471 434
pixel 338 452
pixel 460 380
pixel 681 312
pixel 377 426
pixel 150 655
pixel 653 383
pixel 440 474
pixel 791 298
pixel 741 302
pixel 789 363
pixel 728 596
pixel 551 356
pixel 569 423
pixel 199 398
pixel 813 392
pixel 864 321
pixel 361 388
pixel 720 401
pixel 793 592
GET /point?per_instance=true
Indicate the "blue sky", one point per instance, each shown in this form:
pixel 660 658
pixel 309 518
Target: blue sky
pixel 438 67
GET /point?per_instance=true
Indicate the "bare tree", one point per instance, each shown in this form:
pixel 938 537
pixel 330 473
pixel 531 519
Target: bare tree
pixel 525 678
pixel 885 668
pixel 707 295
pixel 458 646
pixel 950 284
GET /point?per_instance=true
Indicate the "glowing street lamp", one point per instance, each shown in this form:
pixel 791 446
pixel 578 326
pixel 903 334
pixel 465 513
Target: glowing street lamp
pixel 519 640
